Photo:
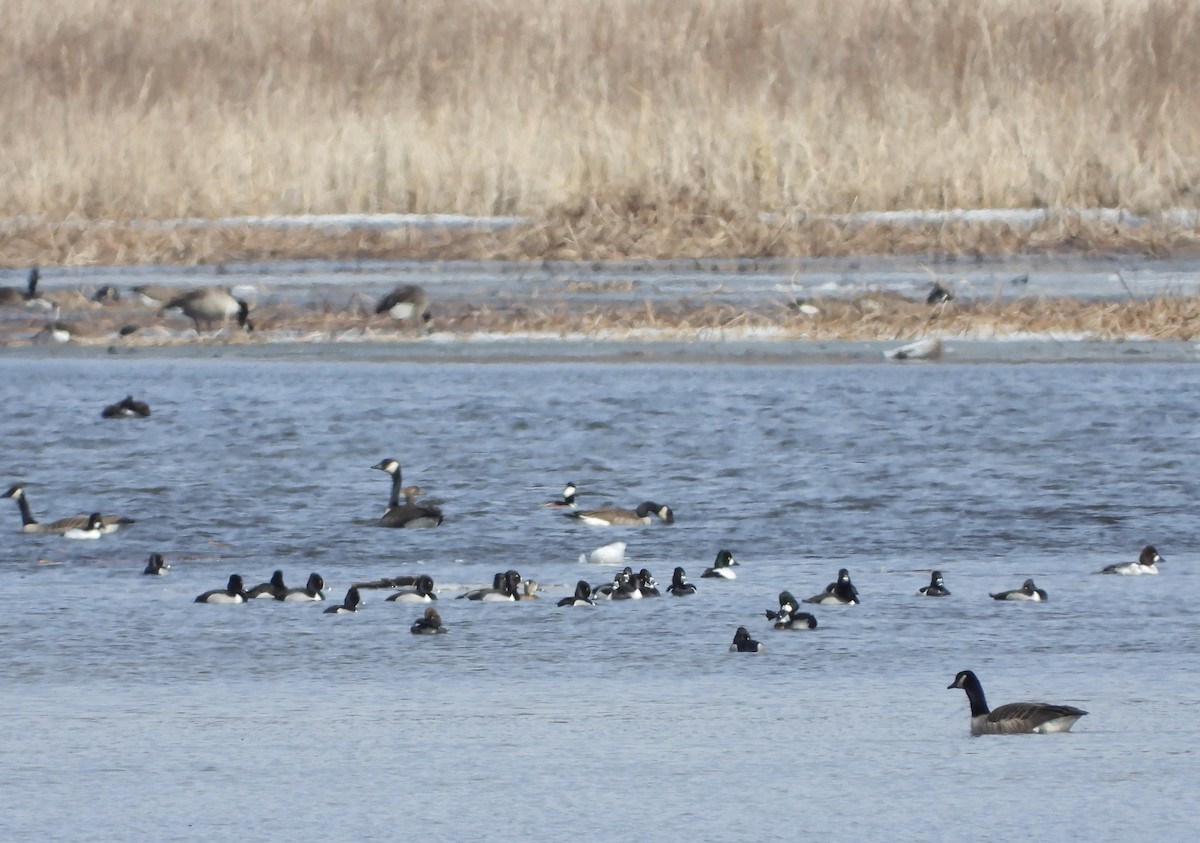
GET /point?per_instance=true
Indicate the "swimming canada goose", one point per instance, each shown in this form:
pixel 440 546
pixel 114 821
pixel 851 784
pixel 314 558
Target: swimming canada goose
pixel 1027 591
pixel 272 590
pixel 582 596
pixel 406 303
pixel 428 624
pixel 29 524
pixel 409 515
pixel 743 643
pixel 420 592
pixel 349 603
pixel 157 566
pixel 840 593
pixel 936 587
pixel 679 586
pixel 126 408
pixel 723 567
pixel 93 530
pixel 14 297
pixel 211 305
pixel 1013 718
pixel 568 498
pixel 1147 563
pixel 311 591
pixel 616 517
pixel 926 349
pixel 232 593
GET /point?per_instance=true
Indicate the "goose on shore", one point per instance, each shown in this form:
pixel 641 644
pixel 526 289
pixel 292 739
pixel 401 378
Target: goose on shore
pixel 926 349
pixel 349 603
pixel 722 568
pixel 1027 591
pixel 156 566
pixel 270 590
pixel 406 303
pixel 211 305
pixel 29 524
pixel 616 517
pixel 1147 563
pixel 936 587
pixel 1013 718
pixel 234 592
pixel 16 297
pixel 840 593
pixel 126 408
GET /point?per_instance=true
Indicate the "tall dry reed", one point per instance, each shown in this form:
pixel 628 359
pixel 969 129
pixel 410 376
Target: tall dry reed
pixel 556 108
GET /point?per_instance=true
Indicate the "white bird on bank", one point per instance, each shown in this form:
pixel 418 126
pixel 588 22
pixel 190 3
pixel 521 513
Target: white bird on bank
pixel 926 349
pixel 609 554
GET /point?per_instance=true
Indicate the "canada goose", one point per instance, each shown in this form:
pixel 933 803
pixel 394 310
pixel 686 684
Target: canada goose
pixel 156 567
pixel 679 586
pixel 722 568
pixel 106 295
pixel 609 554
pixel 274 589
pixel 568 498
pixel 1147 563
pixel 840 593
pixel 787 604
pixel 420 592
pixel 14 297
pixel 794 620
pixel 93 530
pixel 614 516
pixel 349 603
pixel 211 305
pixel 926 349
pixel 936 587
pixel 232 593
pixel 428 624
pixel 310 592
pixel 29 524
pixel 409 515
pixel 1027 591
pixel 406 303
pixel 1013 718
pixel 582 596
pixel 154 295
pixel 126 408
pixel 743 643
pixel 54 332
pixel 939 294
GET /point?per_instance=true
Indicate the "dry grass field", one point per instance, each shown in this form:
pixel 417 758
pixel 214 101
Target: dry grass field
pixel 621 128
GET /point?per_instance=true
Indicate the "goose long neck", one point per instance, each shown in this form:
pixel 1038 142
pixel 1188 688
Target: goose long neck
pixel 395 499
pixel 26 516
pixel 978 701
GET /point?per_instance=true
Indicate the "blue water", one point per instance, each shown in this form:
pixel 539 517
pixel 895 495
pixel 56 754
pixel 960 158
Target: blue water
pixel 132 713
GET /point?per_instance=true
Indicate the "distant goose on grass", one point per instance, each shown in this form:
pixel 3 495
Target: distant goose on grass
pixel 428 624
pixel 272 590
pixel 568 498
pixel 406 303
pixel 722 568
pixel 210 306
pixel 16 297
pixel 679 586
pixel 840 593
pixel 939 294
pixel 926 349
pixel 582 596
pixel 616 517
pixel 409 515
pixel 1027 591
pixel 157 566
pixel 311 591
pixel 126 408
pixel 29 524
pixel 349 604
pixel 936 587
pixel 1013 718
pixel 93 530
pixel 1147 563
pixel 743 643
pixel 420 592
pixel 234 592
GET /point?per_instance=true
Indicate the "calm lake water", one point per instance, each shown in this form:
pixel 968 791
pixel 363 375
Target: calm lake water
pixel 133 713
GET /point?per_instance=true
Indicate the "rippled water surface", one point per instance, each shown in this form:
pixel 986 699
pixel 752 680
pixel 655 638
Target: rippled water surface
pixel 132 713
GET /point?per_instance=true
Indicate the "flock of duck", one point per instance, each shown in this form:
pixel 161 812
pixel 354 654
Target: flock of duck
pixel 509 586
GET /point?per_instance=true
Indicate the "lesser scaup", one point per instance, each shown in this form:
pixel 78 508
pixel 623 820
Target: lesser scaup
pixel 311 591
pixel 274 589
pixel 419 592
pixel 234 592
pixel 349 604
